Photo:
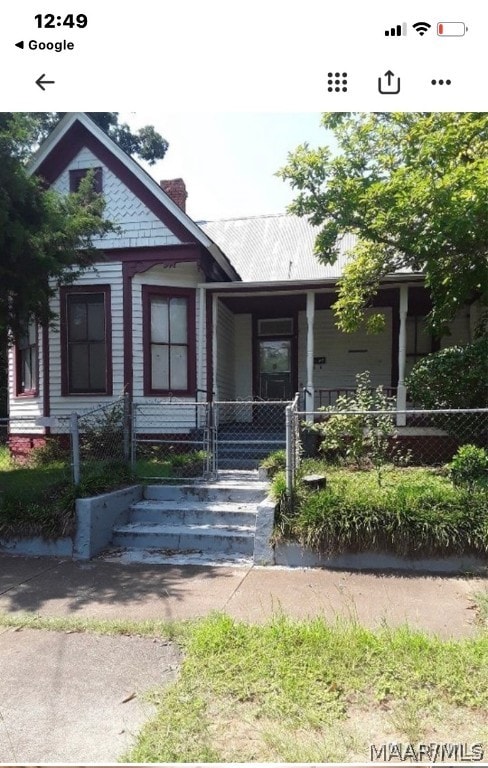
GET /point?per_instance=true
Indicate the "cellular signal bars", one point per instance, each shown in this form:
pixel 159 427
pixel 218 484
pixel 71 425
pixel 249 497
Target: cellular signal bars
pixel 398 31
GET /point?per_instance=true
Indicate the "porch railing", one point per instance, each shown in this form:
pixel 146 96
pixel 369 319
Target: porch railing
pixel 326 397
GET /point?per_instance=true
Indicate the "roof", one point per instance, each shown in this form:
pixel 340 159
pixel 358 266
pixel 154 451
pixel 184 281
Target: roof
pixel 70 120
pixel 275 247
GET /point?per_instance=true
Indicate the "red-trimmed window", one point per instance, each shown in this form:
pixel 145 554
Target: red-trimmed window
pixel 76 176
pixel 87 359
pixel 27 360
pixel 169 340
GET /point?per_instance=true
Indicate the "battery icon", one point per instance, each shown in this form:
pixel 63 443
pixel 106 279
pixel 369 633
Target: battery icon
pixel 451 28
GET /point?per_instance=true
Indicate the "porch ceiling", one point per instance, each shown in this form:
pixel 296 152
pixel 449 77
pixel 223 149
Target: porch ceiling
pixel 266 303
pixel 283 305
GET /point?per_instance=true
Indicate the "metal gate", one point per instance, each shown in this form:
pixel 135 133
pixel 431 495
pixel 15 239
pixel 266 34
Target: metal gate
pixel 194 441
pixel 246 431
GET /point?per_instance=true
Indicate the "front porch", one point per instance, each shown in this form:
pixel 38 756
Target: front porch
pixel 270 342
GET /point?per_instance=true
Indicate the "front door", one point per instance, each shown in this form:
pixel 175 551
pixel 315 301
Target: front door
pixel 275 369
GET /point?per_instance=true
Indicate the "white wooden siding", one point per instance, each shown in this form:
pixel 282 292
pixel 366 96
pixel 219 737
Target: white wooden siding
pixel 225 353
pixel 103 274
pixel 342 361
pixel 180 276
pixel 28 408
pixel 460 330
pixel 139 226
pixel 243 357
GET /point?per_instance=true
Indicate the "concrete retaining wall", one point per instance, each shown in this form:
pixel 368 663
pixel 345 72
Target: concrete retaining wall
pixel 294 555
pixel 38 547
pixel 95 519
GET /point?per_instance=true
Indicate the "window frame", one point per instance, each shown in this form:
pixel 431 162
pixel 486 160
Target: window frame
pixel 65 293
pixel 164 292
pixel 20 391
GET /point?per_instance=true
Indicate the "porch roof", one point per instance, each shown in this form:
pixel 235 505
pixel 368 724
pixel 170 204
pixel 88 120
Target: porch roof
pixel 274 248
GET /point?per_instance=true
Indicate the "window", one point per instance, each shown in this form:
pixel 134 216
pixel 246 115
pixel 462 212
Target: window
pixel 86 320
pixel 280 326
pixel 27 367
pixel 419 340
pixel 169 340
pixel 76 176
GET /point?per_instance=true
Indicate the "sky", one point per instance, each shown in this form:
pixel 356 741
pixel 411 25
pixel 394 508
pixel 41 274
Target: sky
pixel 228 160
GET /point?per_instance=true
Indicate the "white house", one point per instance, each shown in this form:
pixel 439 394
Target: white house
pixel 224 310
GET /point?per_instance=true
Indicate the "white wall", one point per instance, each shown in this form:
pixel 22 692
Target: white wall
pixel 101 274
pixel 139 226
pixel 225 353
pixel 460 330
pixel 29 408
pixel 342 363
pixel 243 356
pixel 181 276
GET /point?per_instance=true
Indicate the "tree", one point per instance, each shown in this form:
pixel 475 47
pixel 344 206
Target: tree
pixel 44 239
pixel 146 143
pixel 413 188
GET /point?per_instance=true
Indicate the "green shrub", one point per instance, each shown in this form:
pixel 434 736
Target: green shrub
pixel 469 466
pixel 52 452
pixel 364 438
pixel 455 377
pixel 102 434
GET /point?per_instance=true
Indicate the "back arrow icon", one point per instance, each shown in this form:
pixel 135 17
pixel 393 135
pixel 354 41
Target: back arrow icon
pixel 41 82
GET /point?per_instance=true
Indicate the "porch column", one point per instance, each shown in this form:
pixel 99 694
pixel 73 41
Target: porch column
pixel 402 356
pixel 215 313
pixel 309 397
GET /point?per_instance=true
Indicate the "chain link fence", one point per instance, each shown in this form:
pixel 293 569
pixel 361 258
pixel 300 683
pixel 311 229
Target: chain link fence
pixel 248 431
pixel 172 440
pixel 100 439
pixel 413 437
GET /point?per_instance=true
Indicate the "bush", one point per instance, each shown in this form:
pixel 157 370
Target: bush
pixel 469 466
pixel 455 377
pixel 363 438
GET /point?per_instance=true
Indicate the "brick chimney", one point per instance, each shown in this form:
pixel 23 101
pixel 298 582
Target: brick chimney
pixel 176 190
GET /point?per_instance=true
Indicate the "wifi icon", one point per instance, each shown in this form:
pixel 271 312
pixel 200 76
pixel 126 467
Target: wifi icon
pixel 421 27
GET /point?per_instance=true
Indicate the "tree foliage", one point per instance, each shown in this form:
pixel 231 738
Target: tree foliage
pixel 413 188
pixel 455 377
pixel 146 143
pixel 44 239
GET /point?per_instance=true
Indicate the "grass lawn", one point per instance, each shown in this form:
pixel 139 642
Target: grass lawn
pixel 415 511
pixel 39 500
pixel 303 691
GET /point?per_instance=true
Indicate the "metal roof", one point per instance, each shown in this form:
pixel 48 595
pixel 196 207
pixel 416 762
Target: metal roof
pixel 275 247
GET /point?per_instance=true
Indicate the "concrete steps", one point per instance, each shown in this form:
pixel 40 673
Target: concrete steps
pixel 208 523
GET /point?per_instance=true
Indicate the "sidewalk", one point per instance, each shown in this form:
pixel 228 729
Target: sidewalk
pixel 97 589
pixel 77 698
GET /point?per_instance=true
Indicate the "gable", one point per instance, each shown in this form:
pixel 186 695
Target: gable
pixel 77 136
pixel 139 225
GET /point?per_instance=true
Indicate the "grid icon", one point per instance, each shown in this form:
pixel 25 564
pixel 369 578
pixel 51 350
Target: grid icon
pixel 337 81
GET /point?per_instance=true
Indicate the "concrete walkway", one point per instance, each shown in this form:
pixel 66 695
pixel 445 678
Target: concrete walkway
pixel 77 698
pixel 49 587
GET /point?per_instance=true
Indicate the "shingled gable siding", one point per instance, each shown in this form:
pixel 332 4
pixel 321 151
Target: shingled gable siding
pixel 345 354
pixel 140 227
pixel 186 275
